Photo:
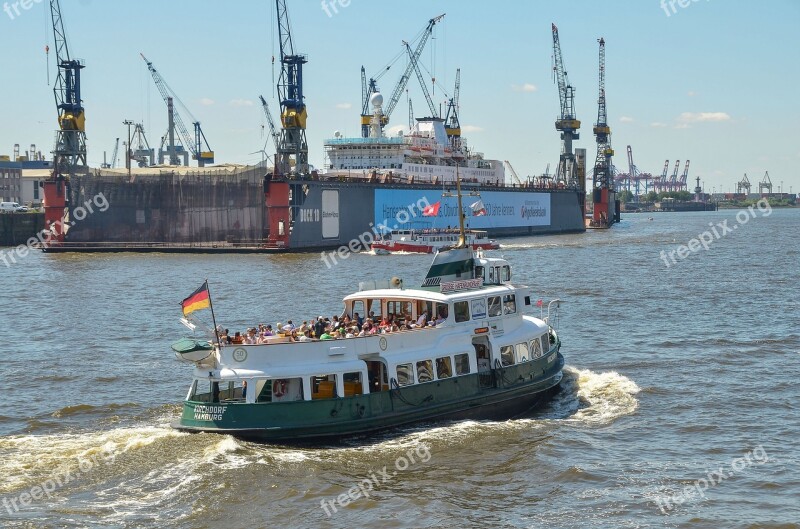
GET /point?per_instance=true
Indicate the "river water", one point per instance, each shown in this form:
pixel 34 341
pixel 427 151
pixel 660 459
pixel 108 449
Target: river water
pixel 679 406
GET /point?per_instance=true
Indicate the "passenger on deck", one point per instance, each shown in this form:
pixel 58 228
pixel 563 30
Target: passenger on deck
pixel 289 327
pixel 359 320
pixel 268 331
pixel 244 389
pixel 237 338
pixel 327 334
pixel 319 327
pixel 441 319
pixel 423 319
pixel 305 337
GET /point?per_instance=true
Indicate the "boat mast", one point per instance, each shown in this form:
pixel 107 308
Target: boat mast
pixel 462 238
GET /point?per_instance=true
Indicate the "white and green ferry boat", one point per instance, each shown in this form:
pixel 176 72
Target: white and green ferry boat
pixel 486 357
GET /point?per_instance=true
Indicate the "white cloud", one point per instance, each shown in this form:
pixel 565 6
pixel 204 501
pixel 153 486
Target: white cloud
pixel 392 131
pixel 692 93
pixel 206 102
pixel 241 103
pixel 344 106
pixel 527 87
pixel 696 117
pixel 626 119
pixel 658 125
pixel 471 128
pixel 683 126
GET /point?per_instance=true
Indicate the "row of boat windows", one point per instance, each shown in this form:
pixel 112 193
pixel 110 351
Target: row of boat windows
pixel 492 307
pixel 327 386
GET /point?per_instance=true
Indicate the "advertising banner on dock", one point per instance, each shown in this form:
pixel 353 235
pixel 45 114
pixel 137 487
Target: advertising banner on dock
pixel 399 209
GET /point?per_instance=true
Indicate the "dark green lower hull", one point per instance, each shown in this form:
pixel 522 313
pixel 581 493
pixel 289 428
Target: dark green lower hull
pixel 499 394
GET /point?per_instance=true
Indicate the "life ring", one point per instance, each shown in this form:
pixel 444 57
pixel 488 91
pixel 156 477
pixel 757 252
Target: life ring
pixel 279 387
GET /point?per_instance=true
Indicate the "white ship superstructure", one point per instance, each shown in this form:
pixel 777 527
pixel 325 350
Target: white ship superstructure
pixel 425 155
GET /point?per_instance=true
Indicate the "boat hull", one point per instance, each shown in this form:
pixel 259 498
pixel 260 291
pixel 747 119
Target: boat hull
pixel 499 394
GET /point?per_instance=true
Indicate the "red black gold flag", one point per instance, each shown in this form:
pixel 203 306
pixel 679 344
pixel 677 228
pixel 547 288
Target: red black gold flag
pixel 198 300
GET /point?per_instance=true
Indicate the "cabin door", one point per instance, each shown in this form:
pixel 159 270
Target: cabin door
pixel 483 354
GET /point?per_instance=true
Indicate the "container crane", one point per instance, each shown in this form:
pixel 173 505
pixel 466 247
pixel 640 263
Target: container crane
pixel 292 141
pixel 672 185
pixel 567 123
pixel 765 185
pixel 273 131
pixel 452 125
pixel 683 180
pixel 70 147
pixel 197 143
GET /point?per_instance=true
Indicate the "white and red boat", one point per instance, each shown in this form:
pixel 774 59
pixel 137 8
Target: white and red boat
pixel 429 241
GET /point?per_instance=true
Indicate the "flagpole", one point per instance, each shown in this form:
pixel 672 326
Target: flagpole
pixel 213 319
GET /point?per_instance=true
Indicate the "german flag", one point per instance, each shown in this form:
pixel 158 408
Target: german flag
pixel 198 300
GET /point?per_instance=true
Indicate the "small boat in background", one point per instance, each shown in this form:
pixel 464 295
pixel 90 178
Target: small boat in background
pixel 430 241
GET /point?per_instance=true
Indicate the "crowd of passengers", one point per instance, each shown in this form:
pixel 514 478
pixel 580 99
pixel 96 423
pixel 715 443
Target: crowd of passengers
pixel 335 328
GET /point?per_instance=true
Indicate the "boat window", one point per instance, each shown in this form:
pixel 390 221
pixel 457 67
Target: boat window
pixel 405 374
pixel 442 311
pixel 495 307
pixel 545 345
pixel 425 306
pixel 491 274
pixel 461 309
pixel 522 352
pixel 358 306
pixel 507 355
pixel 510 303
pixel 201 391
pixel 323 387
pixel 352 384
pixel 263 391
pixel 462 364
pixel 287 389
pixel 424 371
pixel 374 310
pixel 536 349
pixel 478 308
pixel 400 309
pixel 479 272
pixel 443 367
pixel 506 273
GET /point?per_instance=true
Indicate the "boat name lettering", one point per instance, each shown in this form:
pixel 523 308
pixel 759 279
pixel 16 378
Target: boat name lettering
pixel 466 284
pixel 209 413
pixel 330 214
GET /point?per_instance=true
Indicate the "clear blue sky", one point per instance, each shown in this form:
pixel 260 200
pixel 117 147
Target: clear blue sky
pixel 714 82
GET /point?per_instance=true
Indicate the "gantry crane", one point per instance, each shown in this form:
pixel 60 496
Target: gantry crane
pixel 197 144
pixel 69 152
pixel 452 125
pixel 292 143
pixel 765 184
pixel 683 180
pixel 672 185
pixel 370 88
pixel 566 123
pixel 743 185
pixel 273 131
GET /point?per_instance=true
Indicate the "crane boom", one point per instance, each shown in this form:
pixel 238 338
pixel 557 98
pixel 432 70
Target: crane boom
pixel 421 79
pixel 401 85
pixel 194 144
pixel 273 132
pixel 114 154
pixel 513 173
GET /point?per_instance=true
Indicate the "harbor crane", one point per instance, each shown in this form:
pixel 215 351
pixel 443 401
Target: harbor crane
pixel 413 59
pixel 765 184
pixel 513 173
pixel 273 131
pixel 197 144
pixel 660 183
pixel 369 88
pixel 566 123
pixel 603 195
pixel 452 125
pixel 292 147
pixel 683 180
pixel 69 152
pixel 743 185
pixel 672 185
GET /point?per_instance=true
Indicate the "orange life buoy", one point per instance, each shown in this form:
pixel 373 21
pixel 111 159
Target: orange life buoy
pixel 279 388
